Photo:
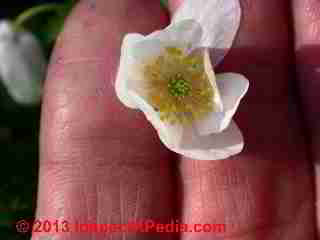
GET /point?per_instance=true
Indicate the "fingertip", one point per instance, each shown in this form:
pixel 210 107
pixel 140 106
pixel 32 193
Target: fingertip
pixel 83 69
pixel 306 18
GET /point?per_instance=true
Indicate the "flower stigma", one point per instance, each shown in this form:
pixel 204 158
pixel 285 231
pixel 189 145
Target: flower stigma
pixel 178 86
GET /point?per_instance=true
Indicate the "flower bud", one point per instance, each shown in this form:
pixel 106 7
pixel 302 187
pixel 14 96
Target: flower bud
pixel 22 64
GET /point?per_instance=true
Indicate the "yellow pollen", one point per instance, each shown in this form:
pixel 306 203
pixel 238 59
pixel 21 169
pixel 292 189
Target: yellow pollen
pixel 178 86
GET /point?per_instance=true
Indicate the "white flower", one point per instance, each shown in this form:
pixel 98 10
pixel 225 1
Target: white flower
pixel 169 76
pixel 22 64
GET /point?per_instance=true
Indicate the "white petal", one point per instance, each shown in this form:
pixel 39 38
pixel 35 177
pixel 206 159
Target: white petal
pixel 232 87
pixel 140 54
pixel 135 51
pixel 145 50
pixel 215 146
pixel 187 142
pixel 6 30
pixel 185 32
pixel 32 49
pixel 169 134
pixel 219 19
pixel 22 67
pixel 122 78
pixel 212 78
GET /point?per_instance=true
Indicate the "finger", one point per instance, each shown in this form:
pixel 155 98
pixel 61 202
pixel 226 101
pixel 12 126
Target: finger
pixel 255 193
pixel 100 162
pixel 307 48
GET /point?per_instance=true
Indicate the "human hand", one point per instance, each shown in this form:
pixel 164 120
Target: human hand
pixel 102 163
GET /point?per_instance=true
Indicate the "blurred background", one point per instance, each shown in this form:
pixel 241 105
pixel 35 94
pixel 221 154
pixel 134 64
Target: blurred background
pixel 20 121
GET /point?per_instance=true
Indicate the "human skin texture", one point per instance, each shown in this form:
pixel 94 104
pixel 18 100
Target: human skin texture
pixel 307 48
pixel 101 162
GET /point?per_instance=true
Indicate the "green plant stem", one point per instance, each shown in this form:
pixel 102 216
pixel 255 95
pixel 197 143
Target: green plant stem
pixel 28 14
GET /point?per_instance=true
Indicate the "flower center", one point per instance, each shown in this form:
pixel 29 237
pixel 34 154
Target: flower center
pixel 178 86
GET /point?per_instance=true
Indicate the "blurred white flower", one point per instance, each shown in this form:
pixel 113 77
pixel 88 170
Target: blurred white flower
pixel 22 64
pixel 169 76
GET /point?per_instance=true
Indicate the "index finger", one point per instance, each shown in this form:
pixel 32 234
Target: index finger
pixel 100 162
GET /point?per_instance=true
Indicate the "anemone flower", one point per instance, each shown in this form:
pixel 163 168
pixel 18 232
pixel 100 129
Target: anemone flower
pixel 170 77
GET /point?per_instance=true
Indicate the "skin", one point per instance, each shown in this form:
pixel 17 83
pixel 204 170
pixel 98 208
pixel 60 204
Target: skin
pixel 103 163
